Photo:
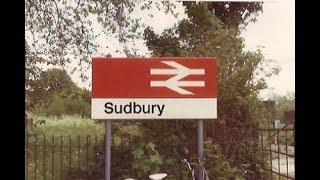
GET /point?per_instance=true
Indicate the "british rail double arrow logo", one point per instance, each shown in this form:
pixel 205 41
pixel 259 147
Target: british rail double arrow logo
pixel 175 83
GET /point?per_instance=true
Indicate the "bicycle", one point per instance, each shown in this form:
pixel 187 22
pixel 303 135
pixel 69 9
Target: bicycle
pixel 198 172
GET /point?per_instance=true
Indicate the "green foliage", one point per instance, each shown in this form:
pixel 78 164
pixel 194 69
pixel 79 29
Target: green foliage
pixel 240 75
pixel 63 31
pixel 250 161
pixel 59 105
pixel 49 82
pixel 232 14
pixel 66 156
pixel 217 165
pixel 138 161
pixel 253 160
pixel 146 160
pixel 67 125
pixel 74 130
pixel 49 133
pixel 55 94
pixel 32 71
pixel 286 137
pixel 204 33
pixel 283 103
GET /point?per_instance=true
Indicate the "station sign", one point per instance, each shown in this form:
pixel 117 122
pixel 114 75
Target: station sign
pixel 154 88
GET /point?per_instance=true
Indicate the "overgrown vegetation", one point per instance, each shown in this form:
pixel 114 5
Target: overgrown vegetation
pixel 55 135
pixel 55 94
pixel 283 103
pixel 241 75
pixel 59 107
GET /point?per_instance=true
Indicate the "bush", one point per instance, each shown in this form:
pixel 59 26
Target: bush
pixel 59 104
pixel 147 155
pixel 216 164
pixel 75 130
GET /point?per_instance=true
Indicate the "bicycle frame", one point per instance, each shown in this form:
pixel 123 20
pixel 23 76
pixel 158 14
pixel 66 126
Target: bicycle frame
pixel 189 167
pixel 199 166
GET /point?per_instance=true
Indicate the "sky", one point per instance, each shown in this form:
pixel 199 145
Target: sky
pixel 274 30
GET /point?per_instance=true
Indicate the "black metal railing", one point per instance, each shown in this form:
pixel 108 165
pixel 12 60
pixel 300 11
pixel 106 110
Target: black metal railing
pixel 82 157
pixel 63 157
pixel 279 144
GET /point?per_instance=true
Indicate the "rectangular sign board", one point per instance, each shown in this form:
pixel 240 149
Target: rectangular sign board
pixel 154 88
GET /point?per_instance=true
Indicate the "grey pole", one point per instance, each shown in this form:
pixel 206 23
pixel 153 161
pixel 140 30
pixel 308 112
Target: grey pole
pixel 107 153
pixel 200 144
pixel 200 139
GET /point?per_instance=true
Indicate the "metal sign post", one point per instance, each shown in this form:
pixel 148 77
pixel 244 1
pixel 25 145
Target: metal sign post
pixel 200 142
pixel 153 88
pixel 107 152
pixel 200 139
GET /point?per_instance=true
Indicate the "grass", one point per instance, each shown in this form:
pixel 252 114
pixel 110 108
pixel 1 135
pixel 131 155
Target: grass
pixel 76 125
pixel 67 125
pixel 69 130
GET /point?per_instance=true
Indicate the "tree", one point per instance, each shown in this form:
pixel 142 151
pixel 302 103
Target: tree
pixel 203 35
pixel 49 82
pixel 240 74
pixel 54 93
pixel 282 104
pixel 231 14
pixel 60 104
pixel 62 32
pixel 32 71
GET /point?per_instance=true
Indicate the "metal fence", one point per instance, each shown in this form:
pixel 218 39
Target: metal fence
pixel 60 157
pixel 279 145
pixel 63 157
pixel 276 146
pixel 82 157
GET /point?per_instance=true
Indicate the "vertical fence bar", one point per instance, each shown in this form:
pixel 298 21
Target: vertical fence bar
pixel 287 153
pixel 237 145
pixel 104 155
pixel 52 154
pixel 121 140
pixel 78 157
pixel 88 154
pixel 95 157
pixel 70 155
pixel 261 135
pixel 35 156
pixel 61 143
pixel 112 140
pixel 270 152
pixel 253 142
pixel 26 154
pixel 279 150
pixel 44 156
pixel 138 140
pixel 130 152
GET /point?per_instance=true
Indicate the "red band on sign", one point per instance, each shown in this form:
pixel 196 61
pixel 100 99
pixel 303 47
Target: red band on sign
pixel 154 78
